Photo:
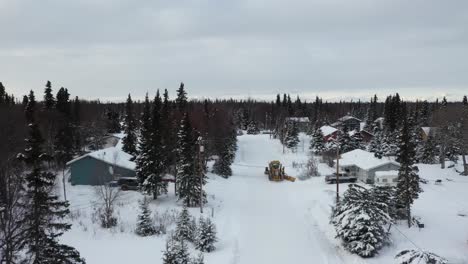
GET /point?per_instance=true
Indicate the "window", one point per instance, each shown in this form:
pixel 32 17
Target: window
pixel 384 180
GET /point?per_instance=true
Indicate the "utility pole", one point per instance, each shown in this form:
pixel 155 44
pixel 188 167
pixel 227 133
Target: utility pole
pixel 337 174
pixel 201 149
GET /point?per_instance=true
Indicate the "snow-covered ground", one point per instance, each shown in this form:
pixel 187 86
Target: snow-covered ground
pixel 273 222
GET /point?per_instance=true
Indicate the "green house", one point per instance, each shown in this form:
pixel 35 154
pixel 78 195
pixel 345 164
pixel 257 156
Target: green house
pixel 101 167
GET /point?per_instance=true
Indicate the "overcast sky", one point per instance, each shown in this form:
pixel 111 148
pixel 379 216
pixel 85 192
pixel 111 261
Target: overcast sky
pixel 239 48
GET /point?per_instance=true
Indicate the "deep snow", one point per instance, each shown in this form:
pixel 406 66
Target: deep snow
pixel 269 222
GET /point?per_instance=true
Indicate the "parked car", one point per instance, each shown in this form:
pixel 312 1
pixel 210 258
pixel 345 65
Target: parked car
pixel 125 183
pixel 342 178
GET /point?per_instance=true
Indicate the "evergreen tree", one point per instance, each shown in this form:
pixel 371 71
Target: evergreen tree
pixel 63 102
pixel 412 256
pixel 386 196
pixel 360 220
pixel 49 100
pixel 181 99
pixel 222 166
pixel 345 142
pixel 317 144
pixel 184 229
pixel 357 141
pixel 428 151
pixel 389 144
pixel 188 173
pixel 172 251
pixel 206 237
pixel 25 101
pixel 154 182
pixel 130 139
pixel 113 122
pixel 252 128
pixel 45 212
pixel 408 180
pixel 2 94
pixel 30 107
pixel 292 135
pixel 144 163
pixel 375 145
pixel 145 225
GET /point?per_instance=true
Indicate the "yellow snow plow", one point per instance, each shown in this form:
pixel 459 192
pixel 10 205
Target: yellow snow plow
pixel 275 172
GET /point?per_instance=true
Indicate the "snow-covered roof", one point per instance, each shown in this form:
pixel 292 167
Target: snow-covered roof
pixel 386 173
pixel 113 156
pixel 363 159
pixel 348 117
pixel 298 119
pixel 328 130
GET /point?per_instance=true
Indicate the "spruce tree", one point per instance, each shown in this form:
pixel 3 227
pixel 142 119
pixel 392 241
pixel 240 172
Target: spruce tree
pixel 317 143
pixel 49 100
pixel 408 188
pixel 45 213
pixel 428 151
pixel 130 139
pixel 64 139
pixel 63 102
pixel 188 178
pixel 25 101
pixel 292 135
pixel 222 166
pixel 252 128
pixel 206 237
pixel 2 94
pixel 181 99
pixel 113 122
pixel 360 220
pixel 145 225
pixel 144 164
pixel 184 229
pixel 375 145
pixel 170 253
pixel 150 161
pixel 30 107
pixel 411 256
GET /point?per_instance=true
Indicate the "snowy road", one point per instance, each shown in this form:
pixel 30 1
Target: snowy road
pixel 266 221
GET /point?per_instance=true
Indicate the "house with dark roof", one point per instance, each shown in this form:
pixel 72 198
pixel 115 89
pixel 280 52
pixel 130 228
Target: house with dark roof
pixel 348 122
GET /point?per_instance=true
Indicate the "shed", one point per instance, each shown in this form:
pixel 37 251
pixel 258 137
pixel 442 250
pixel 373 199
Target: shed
pixel 101 166
pixel 364 165
pixel 329 133
pixel 386 178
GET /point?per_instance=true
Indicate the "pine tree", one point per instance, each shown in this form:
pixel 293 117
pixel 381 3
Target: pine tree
pixel 45 212
pixel 25 102
pixel 184 229
pixel 2 94
pixel 113 122
pixel 317 144
pixel 206 237
pixel 130 139
pixel 345 142
pixel 360 220
pixel 145 225
pixel 411 256
pixel 252 128
pixel 428 151
pixel 153 182
pixel 375 145
pixel 222 166
pixel 49 100
pixel 188 178
pixel 63 102
pixel 170 253
pixel 30 107
pixel 144 164
pixel 408 180
pixel 181 99
pixel 292 135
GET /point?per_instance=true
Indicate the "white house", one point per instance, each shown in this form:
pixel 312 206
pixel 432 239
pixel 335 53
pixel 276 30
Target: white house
pixel 386 178
pixel 364 165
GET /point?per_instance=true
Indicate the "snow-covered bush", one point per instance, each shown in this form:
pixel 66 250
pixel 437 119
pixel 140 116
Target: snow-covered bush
pixel 310 169
pixel 411 256
pixel 162 221
pixel 360 220
pixel 176 252
pixel 206 235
